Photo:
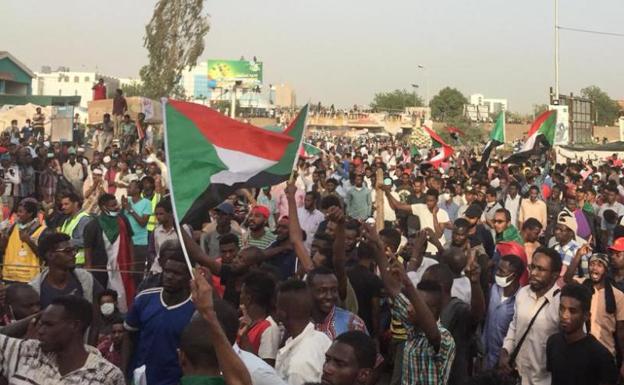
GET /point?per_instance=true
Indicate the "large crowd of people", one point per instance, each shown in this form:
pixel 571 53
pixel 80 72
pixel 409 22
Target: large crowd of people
pixel 371 265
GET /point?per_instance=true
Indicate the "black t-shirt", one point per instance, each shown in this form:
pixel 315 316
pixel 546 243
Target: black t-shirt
pixel 229 280
pixel 456 318
pixel 584 362
pixel 483 236
pixel 366 286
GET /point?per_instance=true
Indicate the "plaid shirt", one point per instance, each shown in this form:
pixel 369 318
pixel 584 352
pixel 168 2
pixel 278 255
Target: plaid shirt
pixel 24 363
pixel 567 253
pixel 422 365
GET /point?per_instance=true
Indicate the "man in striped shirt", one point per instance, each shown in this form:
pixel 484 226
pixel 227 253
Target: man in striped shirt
pixel 258 235
pixel 59 356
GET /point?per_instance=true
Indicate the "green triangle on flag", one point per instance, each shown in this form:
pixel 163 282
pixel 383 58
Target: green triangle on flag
pixel 498 131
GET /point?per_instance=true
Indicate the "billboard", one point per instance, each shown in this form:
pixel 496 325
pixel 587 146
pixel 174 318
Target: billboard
pixel 563 124
pixel 229 71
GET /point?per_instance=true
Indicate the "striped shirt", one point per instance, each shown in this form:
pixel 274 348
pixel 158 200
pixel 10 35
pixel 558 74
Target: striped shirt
pixel 262 243
pixel 24 363
pixel 421 363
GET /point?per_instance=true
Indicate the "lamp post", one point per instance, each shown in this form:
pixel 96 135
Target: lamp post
pixel 422 67
pixel 415 87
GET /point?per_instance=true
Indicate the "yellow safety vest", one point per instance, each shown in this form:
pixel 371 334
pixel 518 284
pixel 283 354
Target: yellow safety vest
pixel 21 264
pixel 68 228
pixel 151 222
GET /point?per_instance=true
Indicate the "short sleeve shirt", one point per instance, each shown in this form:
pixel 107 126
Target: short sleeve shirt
pixel 159 327
pixel 142 207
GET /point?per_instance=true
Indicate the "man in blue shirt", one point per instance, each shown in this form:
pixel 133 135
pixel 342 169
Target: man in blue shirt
pixel 159 316
pixel 138 210
pixel 501 307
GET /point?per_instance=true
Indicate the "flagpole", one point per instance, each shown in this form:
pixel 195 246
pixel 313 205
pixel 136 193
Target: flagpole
pixel 176 220
pixel 305 126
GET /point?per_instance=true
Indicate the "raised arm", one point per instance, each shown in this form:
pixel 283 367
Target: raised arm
pixel 234 370
pixel 395 278
pixel 394 203
pixel 336 215
pixel 294 229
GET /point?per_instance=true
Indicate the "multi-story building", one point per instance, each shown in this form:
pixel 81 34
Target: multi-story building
pixel 494 105
pixel 64 82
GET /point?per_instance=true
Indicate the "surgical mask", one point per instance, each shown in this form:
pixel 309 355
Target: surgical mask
pixel 112 213
pixel 446 196
pixel 503 281
pixel 107 308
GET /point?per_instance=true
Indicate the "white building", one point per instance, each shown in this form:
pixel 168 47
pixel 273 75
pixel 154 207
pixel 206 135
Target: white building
pixel 494 105
pixel 64 82
pixel 284 96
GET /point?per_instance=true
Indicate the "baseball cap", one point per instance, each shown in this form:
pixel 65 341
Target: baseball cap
pixel 474 211
pixel 262 210
pixel 106 159
pixel 601 257
pixel 71 151
pixel 566 219
pixel 225 208
pixel 618 245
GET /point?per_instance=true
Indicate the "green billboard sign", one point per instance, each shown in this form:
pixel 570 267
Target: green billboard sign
pixel 234 70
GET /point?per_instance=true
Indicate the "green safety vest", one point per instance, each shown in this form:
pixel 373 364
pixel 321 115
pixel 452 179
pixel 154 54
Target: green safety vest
pixel 68 228
pixel 151 222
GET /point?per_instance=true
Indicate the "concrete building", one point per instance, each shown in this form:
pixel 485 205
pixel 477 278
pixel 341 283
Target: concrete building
pixel 494 105
pixel 64 82
pixel 284 96
pixel 15 77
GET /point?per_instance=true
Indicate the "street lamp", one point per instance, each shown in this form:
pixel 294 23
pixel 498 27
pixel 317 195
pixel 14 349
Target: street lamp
pixel 422 67
pixel 415 86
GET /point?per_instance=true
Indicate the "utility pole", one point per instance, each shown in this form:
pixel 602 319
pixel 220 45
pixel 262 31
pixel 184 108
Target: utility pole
pixel 557 50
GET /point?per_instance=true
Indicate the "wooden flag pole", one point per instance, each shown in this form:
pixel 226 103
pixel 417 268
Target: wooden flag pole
pixel 379 200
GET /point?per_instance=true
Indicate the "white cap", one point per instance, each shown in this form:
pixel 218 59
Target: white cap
pixel 107 159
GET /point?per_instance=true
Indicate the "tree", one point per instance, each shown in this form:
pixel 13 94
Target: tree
pixel 448 103
pixel 133 89
pixel 174 39
pixel 395 100
pixel 607 109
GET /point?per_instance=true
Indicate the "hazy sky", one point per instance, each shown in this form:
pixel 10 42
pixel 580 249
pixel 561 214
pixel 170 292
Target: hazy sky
pixel 343 51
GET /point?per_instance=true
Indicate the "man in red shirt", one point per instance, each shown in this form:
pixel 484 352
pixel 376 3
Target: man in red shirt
pixel 99 90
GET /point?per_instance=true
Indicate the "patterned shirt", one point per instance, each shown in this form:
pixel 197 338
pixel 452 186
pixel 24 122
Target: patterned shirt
pixel 567 253
pixel 24 363
pixel 339 321
pixel 261 243
pixel 421 363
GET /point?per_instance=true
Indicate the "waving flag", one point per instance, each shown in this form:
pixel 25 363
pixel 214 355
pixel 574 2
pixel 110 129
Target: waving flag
pixel 541 134
pixel 497 138
pixel 210 156
pixel 445 151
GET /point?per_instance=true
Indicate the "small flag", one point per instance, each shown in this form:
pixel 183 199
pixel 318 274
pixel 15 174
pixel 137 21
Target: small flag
pixel 445 151
pixel 497 138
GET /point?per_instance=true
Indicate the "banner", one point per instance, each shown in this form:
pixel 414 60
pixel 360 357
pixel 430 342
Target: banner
pixel 562 130
pixel 229 71
pixel 61 124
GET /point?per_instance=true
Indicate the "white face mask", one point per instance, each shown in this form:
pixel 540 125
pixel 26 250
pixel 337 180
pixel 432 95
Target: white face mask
pixel 503 281
pixel 113 213
pixel 107 308
pixel 446 196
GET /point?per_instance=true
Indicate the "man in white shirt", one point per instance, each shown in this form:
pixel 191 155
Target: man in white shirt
pixel 301 359
pixel 511 202
pixel 418 263
pixel 428 213
pixel 611 193
pixel 310 217
pixel 541 293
